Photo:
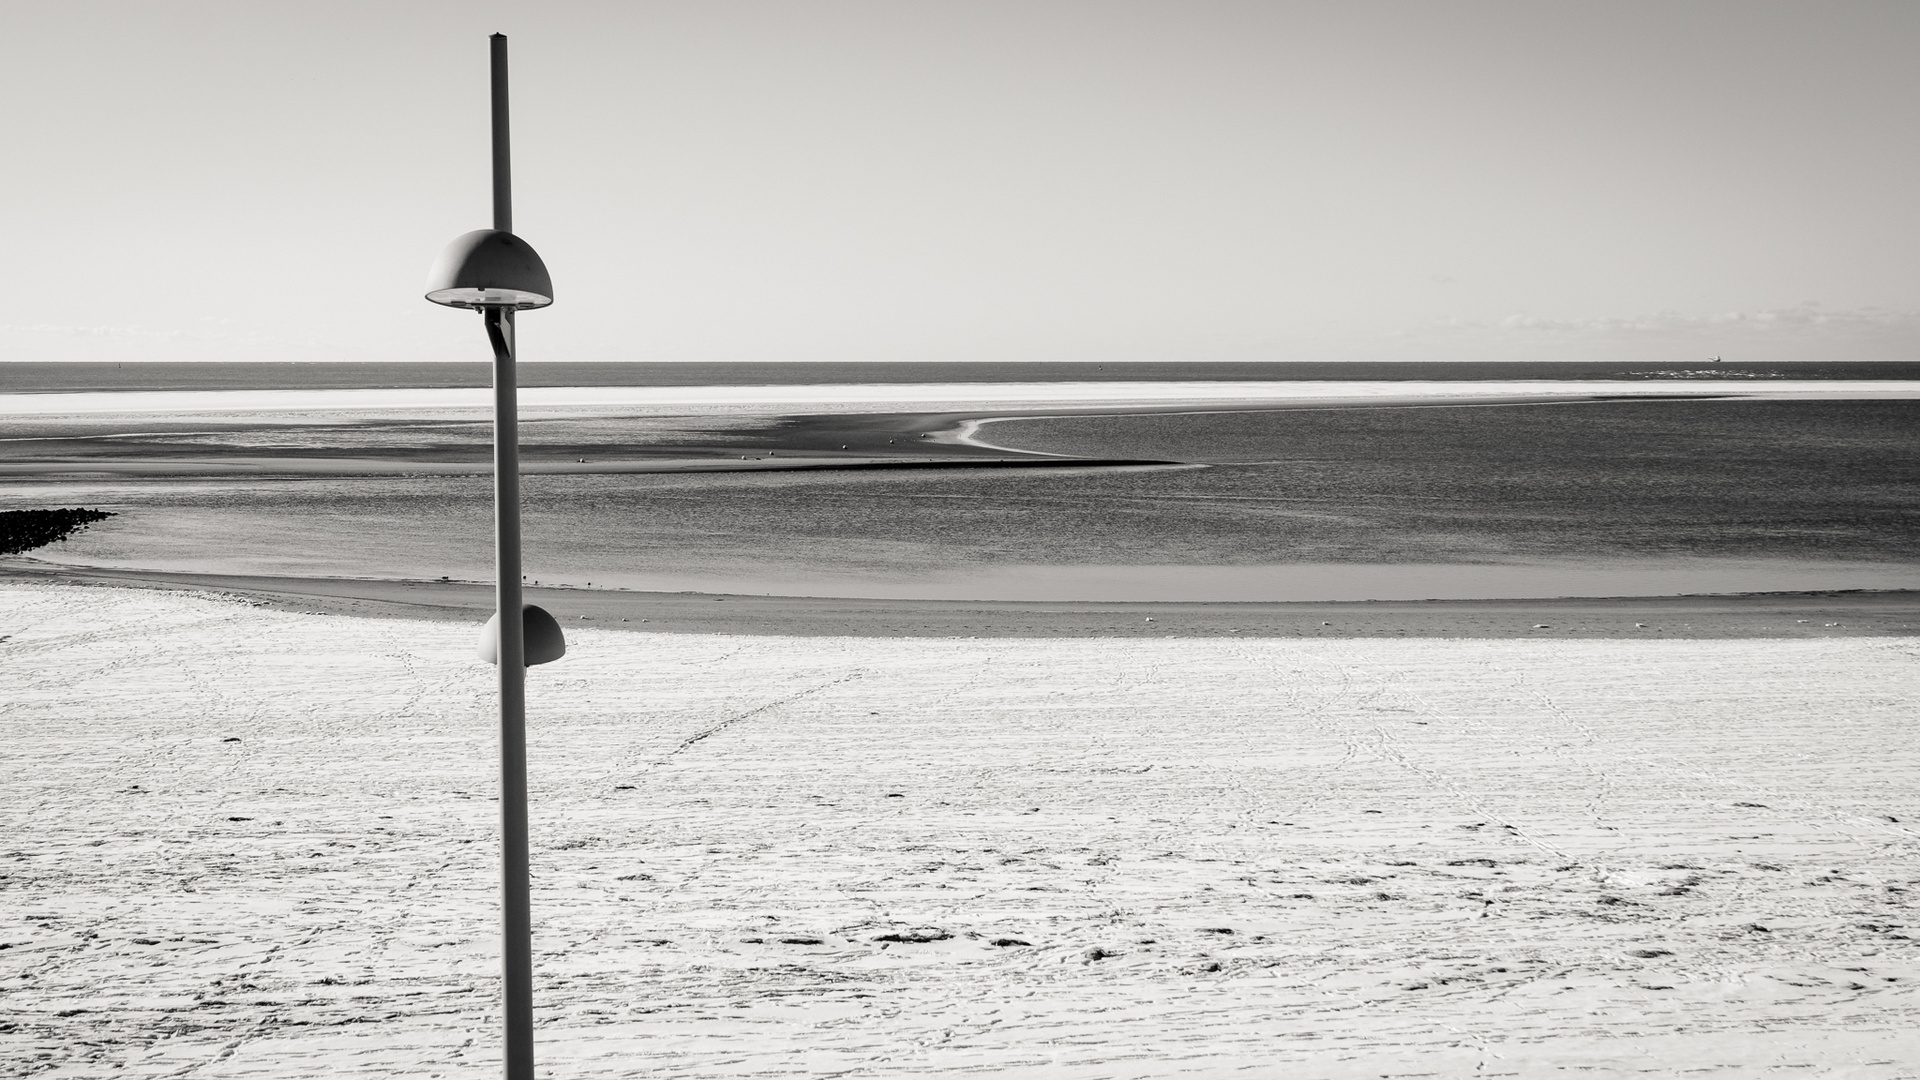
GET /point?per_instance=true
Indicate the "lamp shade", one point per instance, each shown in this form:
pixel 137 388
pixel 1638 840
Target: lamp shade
pixel 490 268
pixel 542 644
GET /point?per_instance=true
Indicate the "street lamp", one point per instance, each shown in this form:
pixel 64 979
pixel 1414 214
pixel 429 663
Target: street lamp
pixel 496 273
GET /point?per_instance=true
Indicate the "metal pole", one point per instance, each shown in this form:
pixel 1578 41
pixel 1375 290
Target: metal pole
pixel 502 148
pixel 515 901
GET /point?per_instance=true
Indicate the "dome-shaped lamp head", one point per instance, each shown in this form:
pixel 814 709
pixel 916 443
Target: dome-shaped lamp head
pixel 490 268
pixel 542 642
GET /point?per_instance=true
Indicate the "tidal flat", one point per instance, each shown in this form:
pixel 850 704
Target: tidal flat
pixel 1322 501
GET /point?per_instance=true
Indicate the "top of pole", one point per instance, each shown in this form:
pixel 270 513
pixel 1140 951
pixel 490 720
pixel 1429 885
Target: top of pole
pixel 502 152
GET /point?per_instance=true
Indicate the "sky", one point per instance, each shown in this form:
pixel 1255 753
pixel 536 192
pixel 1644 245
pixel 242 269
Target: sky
pixel 1032 180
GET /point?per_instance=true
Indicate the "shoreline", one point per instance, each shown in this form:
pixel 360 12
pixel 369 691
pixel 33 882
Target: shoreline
pixel 1781 615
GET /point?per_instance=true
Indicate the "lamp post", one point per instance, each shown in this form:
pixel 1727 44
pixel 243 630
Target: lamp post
pixel 496 273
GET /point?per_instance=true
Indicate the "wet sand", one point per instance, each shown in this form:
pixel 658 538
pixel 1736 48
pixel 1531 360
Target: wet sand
pixel 1757 615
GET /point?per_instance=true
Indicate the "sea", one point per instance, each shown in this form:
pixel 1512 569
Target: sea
pixel 1333 495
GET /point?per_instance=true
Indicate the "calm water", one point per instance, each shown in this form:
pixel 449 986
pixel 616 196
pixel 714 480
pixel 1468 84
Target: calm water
pixel 43 377
pixel 1582 499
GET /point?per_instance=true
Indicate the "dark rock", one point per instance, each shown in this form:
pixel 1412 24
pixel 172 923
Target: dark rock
pixel 24 530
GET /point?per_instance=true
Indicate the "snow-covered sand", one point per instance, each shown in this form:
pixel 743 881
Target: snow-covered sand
pixel 249 843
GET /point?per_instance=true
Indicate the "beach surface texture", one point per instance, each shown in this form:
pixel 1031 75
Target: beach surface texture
pixel 243 841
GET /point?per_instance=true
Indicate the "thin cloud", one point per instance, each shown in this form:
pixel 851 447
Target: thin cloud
pixel 1804 317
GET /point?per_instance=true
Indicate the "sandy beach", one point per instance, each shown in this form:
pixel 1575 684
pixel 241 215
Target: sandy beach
pixel 252 842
